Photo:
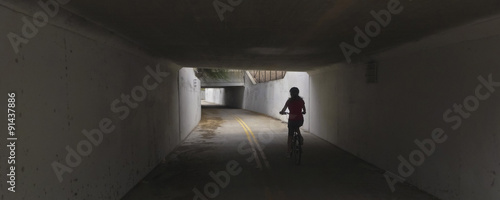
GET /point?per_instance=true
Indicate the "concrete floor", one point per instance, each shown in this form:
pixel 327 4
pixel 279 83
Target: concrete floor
pixel 326 171
pixel 207 103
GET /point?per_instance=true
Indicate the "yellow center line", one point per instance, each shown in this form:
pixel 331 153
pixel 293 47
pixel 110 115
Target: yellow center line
pixel 257 144
pixel 255 155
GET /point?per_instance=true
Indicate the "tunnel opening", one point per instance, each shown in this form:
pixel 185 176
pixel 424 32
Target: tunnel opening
pixel 212 97
pixel 260 91
pixel 221 88
pixel 228 97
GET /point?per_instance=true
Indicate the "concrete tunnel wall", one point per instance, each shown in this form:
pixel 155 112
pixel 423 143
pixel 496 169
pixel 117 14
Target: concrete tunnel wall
pixel 418 83
pixel 189 101
pixel 234 96
pixel 66 79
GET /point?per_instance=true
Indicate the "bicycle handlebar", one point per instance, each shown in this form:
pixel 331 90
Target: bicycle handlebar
pixel 287 113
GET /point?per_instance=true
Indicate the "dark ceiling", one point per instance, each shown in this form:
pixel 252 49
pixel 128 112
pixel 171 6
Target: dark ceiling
pixel 271 34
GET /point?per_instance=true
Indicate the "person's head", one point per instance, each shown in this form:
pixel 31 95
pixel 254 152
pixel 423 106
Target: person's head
pixel 294 92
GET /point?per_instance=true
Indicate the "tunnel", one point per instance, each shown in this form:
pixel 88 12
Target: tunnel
pixel 107 99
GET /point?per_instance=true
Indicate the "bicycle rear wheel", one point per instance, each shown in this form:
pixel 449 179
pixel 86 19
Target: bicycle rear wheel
pixel 297 154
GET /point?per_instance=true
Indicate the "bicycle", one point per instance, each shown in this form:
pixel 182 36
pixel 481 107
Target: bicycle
pixel 296 153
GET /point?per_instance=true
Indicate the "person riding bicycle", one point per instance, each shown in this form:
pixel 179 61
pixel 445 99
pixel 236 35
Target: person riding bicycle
pixel 296 106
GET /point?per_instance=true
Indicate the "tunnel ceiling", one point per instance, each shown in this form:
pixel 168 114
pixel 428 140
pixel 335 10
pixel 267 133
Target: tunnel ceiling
pixel 271 34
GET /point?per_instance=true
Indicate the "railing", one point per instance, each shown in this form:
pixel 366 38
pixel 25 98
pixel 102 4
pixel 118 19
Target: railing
pixel 234 78
pixel 261 76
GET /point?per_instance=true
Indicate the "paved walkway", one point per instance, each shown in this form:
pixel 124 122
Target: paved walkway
pixel 207 103
pixel 217 162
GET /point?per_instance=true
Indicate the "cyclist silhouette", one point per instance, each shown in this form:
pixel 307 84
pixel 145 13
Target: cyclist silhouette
pixel 296 106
